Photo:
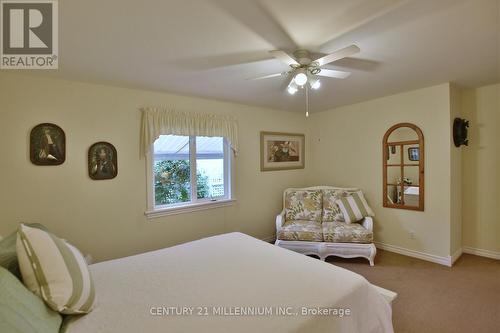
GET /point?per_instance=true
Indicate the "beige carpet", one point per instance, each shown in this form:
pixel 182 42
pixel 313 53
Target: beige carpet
pixel 436 298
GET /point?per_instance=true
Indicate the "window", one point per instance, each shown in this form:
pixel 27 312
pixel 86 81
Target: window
pixel 189 171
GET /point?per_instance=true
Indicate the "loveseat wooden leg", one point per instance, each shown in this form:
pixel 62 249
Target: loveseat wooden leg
pixel 372 255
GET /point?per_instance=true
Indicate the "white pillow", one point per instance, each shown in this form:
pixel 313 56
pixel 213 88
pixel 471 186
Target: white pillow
pixel 55 270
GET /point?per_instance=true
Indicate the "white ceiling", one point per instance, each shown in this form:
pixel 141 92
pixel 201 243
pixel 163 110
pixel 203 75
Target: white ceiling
pixel 208 48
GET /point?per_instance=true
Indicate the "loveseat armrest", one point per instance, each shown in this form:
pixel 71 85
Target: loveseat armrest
pixel 280 219
pixel 367 223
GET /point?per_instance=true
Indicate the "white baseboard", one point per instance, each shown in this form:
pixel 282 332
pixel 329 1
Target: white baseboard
pixel 446 261
pixel 456 255
pixel 482 252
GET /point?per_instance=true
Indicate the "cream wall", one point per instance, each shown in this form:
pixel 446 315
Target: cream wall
pixel 455 176
pixel 345 149
pixel 106 218
pixel 481 168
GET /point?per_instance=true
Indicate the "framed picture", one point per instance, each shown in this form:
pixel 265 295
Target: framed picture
pixel 414 154
pixel 47 145
pixel 281 151
pixel 102 161
pixel 391 150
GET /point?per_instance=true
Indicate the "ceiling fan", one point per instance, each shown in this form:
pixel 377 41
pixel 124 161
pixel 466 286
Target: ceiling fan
pixel 304 70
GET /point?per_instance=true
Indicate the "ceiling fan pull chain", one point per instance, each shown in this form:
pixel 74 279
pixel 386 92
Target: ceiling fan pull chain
pixel 307 101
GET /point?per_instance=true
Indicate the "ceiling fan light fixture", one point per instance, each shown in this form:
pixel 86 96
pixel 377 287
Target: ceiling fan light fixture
pixel 291 90
pixel 315 83
pixel 292 87
pixel 300 79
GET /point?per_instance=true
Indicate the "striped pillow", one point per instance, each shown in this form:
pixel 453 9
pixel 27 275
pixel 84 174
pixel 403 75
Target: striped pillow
pixel 54 270
pixel 354 207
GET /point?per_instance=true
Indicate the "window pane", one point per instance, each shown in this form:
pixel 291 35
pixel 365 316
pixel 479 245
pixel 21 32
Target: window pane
pixel 172 170
pixel 412 154
pixel 210 167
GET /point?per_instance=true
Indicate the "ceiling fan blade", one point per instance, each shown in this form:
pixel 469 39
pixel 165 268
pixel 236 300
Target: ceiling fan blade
pixel 266 76
pixel 339 54
pixel 333 73
pixel 258 19
pixel 284 57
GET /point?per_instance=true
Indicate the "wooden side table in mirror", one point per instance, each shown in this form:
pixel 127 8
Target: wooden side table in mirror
pixel 403 167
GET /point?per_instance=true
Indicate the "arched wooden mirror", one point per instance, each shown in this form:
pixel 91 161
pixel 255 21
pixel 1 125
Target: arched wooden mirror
pixel 403 150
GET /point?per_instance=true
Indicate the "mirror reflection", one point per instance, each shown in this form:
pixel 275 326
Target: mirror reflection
pixel 403 134
pixel 403 167
pixel 393 154
pixel 412 154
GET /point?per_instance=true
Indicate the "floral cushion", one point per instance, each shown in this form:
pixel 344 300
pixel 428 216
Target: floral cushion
pixel 303 205
pixel 341 232
pixel 331 211
pixel 301 230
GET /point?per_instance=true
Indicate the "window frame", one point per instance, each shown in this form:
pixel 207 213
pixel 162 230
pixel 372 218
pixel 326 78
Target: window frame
pixel 194 204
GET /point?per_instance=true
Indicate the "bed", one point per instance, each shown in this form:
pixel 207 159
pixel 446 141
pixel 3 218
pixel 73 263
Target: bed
pixel 230 283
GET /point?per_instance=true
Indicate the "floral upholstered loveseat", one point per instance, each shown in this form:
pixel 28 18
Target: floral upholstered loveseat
pixel 312 223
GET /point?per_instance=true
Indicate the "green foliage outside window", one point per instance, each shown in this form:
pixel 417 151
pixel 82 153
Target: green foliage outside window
pixel 172 182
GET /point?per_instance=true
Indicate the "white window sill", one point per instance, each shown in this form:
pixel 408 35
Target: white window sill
pixel 151 214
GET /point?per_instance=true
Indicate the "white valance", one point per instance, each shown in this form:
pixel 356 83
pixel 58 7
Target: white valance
pixel 160 121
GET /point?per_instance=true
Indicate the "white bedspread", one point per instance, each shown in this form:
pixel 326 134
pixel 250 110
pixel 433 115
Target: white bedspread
pixel 223 276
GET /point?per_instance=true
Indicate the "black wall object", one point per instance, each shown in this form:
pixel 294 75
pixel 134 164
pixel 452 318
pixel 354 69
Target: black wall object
pixel 460 127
